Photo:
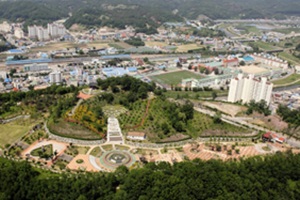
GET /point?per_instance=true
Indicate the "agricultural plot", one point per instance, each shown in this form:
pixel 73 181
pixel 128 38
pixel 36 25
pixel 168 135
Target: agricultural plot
pixel 154 43
pixel 120 45
pixel 174 78
pixel 187 47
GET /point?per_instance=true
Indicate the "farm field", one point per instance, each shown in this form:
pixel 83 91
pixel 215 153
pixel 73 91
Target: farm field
pixel 187 47
pixel 72 130
pixel 12 131
pixel 174 78
pixel 153 44
pixel 65 45
pixel 120 45
pixel 290 79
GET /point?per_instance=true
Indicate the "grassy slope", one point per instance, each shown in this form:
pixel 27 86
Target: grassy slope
pixel 290 79
pixel 10 132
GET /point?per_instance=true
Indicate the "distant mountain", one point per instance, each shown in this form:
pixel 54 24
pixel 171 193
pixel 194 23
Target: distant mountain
pixel 143 14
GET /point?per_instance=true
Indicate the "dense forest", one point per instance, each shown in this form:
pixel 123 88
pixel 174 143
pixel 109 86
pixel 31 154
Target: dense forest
pixel 145 15
pixel 270 177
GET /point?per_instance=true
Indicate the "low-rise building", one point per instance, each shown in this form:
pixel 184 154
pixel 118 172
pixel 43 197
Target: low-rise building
pixel 35 67
pixel 136 135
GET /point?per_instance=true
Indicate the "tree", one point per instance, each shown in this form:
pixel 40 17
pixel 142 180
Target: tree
pixel 214 95
pixel 242 63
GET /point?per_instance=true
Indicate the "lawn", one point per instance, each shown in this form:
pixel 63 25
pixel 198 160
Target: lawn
pixel 10 132
pixel 175 78
pixel 121 147
pixel 75 150
pixel 96 152
pixel 289 57
pixel 288 80
pixel 107 147
pixel 72 130
pixel 48 150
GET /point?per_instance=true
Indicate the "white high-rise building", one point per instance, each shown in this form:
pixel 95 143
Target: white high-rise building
pixel 249 88
pixel 55 77
pixel 32 31
pixel 56 30
pixel 38 32
pixel 42 33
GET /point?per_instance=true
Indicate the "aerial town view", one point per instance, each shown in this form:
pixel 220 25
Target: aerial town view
pixel 149 99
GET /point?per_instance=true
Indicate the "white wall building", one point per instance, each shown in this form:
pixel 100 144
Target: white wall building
pixel 136 136
pixel 56 30
pixel 5 27
pixel 35 67
pixel 38 32
pixel 249 88
pixel 32 31
pixel 19 33
pixel 55 77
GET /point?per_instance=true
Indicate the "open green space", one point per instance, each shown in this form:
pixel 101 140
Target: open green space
pixel 12 131
pixel 107 147
pixel 96 152
pixel 290 79
pixel 121 147
pixel 175 78
pixel 287 30
pixel 72 130
pixel 46 150
pixel 289 57
pixel 75 150
pixel 265 46
pixel 35 136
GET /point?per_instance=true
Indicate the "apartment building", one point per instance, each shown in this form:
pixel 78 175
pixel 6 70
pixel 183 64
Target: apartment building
pixel 249 88
pixel 55 77
pixel 56 30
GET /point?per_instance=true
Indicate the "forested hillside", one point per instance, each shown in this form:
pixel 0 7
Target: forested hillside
pixel 141 13
pixel 271 177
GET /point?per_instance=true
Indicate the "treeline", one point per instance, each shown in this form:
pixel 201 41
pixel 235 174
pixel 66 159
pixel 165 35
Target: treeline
pixel 288 115
pixel 270 177
pixel 206 32
pixel 146 16
pixel 39 100
pixel 29 12
pixel 135 42
pixel 178 116
pixel 135 88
